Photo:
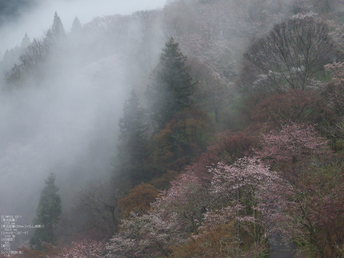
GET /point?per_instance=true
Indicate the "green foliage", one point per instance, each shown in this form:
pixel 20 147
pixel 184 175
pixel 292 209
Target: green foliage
pixel 212 92
pixel 318 216
pixel 132 149
pixel 236 117
pixel 172 85
pixel 48 213
pixel 138 200
pixel 164 182
pixel 337 139
pixel 179 142
pixel 219 242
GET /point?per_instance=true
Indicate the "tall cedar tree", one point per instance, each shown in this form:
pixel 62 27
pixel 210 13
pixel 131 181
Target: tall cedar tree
pixel 57 29
pixel 76 26
pixel 48 212
pixel 132 149
pixel 172 85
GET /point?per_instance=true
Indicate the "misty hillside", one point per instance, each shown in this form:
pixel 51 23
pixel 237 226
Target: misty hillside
pixel 200 129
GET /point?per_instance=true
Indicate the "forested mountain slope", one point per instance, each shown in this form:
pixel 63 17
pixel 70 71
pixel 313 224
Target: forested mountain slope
pixel 204 129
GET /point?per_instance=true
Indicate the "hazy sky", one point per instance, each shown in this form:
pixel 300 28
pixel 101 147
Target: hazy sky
pixel 37 21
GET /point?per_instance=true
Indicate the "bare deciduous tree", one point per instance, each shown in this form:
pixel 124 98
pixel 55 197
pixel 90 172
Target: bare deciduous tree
pixel 95 213
pixel 291 56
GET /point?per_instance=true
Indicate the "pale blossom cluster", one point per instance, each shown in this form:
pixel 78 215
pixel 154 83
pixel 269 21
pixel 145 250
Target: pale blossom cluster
pixel 247 192
pixel 337 70
pixel 304 15
pixel 213 219
pixel 151 233
pixel 292 144
pixel 242 185
pixel 246 174
pixel 187 197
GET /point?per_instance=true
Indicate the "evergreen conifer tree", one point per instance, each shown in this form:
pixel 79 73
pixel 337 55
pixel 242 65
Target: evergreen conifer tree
pixel 132 149
pixel 172 85
pixel 48 212
pixel 25 42
pixel 56 33
pixel 57 28
pixel 76 26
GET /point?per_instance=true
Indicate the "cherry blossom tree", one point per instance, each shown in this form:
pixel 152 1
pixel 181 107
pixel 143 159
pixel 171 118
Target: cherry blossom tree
pixel 151 234
pixel 188 197
pixel 308 211
pixel 302 204
pixel 176 213
pixel 233 215
pixel 292 144
pixel 238 187
pixel 246 174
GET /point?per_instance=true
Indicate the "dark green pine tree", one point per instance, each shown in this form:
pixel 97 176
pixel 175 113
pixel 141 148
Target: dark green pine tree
pixel 48 212
pixel 172 85
pixel 132 148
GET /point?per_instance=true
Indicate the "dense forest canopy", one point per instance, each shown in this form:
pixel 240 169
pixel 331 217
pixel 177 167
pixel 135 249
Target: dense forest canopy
pixel 206 128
